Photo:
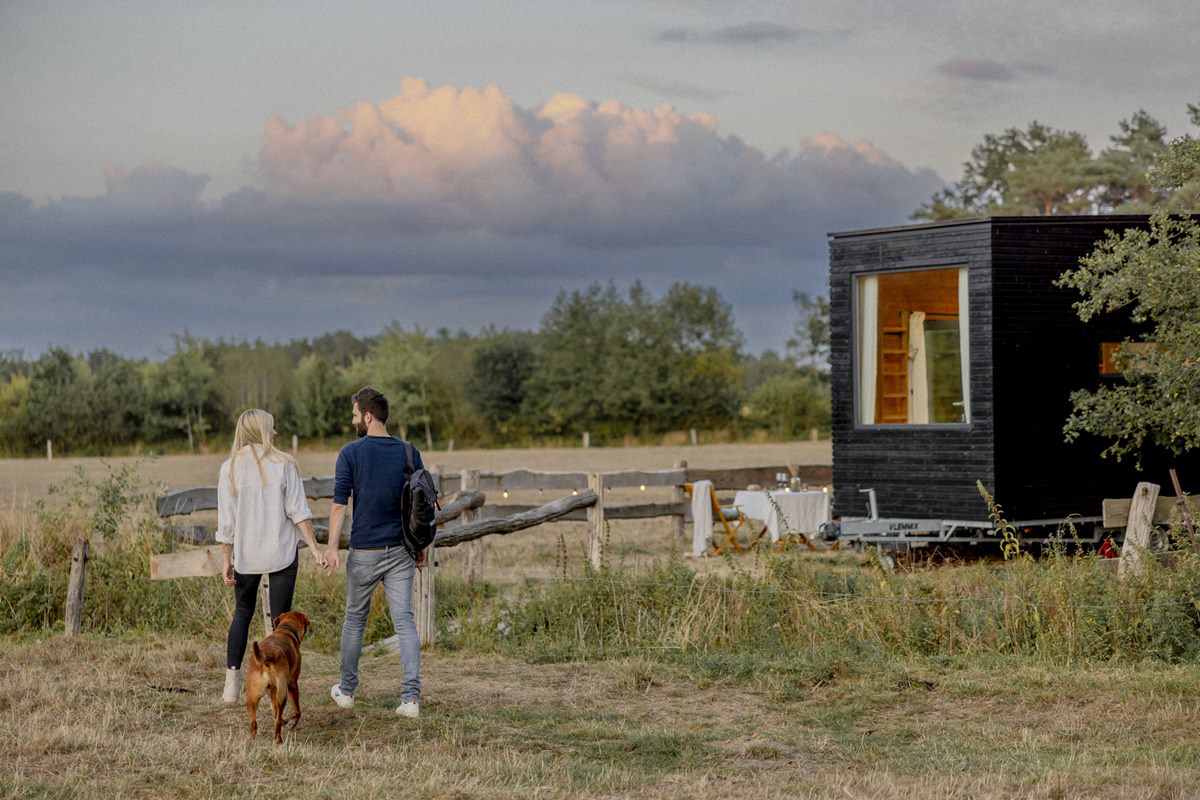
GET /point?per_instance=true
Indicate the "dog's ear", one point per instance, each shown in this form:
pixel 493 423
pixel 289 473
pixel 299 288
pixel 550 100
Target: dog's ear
pixel 275 622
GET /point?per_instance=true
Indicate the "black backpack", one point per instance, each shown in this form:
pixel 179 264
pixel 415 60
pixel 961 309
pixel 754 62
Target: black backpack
pixel 418 506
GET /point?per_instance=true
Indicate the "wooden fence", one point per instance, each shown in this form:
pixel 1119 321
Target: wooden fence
pixel 468 518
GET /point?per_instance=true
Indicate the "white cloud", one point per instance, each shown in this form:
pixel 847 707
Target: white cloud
pixel 464 186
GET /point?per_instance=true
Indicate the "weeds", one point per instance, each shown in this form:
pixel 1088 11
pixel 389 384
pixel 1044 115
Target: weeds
pixel 783 608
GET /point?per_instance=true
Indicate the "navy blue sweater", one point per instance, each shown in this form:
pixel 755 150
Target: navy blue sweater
pixel 372 470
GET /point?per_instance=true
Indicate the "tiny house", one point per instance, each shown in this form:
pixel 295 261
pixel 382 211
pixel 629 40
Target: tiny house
pixel 953 355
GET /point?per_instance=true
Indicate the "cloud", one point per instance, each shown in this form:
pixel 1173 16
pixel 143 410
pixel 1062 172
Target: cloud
pixel 460 207
pixel 975 69
pixel 747 33
pixel 676 89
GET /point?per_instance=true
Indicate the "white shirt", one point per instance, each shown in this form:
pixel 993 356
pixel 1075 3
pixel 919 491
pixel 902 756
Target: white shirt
pixel 260 522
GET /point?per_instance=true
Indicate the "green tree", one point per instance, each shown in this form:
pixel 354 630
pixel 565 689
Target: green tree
pixel 118 402
pixel 319 403
pixel 1056 177
pixel 612 364
pixel 500 370
pixel 15 438
pixel 1154 276
pixel 810 336
pixel 57 406
pixel 791 405
pixel 248 375
pixel 1005 172
pixel 1123 167
pixel 400 364
pixel 182 391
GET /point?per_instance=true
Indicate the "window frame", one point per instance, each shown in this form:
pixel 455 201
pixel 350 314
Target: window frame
pixel 856 352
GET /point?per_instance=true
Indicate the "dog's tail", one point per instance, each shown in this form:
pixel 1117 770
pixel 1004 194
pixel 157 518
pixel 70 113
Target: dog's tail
pixel 264 658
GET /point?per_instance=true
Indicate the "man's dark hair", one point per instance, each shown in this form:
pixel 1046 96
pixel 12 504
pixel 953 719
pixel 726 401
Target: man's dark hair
pixel 371 401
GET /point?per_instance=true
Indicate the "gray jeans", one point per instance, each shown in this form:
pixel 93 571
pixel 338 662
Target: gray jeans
pixel 364 570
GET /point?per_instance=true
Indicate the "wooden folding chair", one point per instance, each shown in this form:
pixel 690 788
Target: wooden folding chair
pixel 727 522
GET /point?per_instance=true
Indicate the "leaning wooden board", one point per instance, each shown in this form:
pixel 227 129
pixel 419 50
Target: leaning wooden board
pixel 1116 511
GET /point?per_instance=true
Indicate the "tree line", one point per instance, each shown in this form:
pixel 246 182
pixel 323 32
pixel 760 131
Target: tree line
pixel 612 363
pixel 1042 170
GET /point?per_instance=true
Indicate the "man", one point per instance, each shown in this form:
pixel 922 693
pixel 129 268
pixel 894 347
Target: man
pixel 372 470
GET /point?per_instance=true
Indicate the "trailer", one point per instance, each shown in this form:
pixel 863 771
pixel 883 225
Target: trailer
pixel 952 357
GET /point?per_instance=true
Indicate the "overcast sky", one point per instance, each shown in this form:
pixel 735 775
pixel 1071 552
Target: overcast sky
pixel 303 167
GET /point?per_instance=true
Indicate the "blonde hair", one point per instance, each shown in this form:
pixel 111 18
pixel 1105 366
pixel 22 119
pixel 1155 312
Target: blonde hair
pixel 255 427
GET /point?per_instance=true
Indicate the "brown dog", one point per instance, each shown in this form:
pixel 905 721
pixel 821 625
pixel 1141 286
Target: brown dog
pixel 275 669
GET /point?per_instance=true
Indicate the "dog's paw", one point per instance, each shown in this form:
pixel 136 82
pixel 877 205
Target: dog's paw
pixel 291 723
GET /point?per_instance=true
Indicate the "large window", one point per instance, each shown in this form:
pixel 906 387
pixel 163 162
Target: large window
pixel 913 348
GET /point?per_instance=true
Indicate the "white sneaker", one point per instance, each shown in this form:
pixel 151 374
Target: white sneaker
pixel 341 698
pixel 233 685
pixel 410 708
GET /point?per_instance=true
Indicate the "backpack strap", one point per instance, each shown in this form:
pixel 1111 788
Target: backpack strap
pixel 408 460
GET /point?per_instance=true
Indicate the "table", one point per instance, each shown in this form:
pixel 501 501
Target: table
pixel 803 512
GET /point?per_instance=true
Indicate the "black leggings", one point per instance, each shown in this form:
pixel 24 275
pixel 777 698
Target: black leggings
pixel 282 585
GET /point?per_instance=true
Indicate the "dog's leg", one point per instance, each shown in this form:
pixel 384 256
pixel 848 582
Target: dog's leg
pixel 252 698
pixel 277 706
pixel 294 695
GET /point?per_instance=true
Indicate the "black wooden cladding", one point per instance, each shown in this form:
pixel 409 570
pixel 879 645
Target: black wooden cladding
pixel 1028 352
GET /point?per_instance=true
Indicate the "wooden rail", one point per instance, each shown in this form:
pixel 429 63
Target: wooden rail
pixel 586 502
pixel 204 498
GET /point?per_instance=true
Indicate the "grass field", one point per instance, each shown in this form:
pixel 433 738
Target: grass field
pixel 992 702
pixel 132 718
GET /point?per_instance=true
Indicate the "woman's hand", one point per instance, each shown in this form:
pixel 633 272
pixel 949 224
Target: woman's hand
pixel 228 574
pixel 319 557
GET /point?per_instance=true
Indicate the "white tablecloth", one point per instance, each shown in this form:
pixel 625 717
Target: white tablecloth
pixel 802 511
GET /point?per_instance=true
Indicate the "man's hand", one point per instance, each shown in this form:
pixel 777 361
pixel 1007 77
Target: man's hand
pixel 227 574
pixel 331 559
pixel 421 559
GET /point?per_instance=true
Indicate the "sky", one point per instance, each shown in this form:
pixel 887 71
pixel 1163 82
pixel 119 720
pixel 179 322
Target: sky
pixel 281 170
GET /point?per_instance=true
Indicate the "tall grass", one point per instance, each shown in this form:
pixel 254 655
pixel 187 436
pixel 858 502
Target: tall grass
pixel 779 608
pixel 1060 608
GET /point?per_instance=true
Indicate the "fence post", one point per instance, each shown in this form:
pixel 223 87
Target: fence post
pixel 426 601
pixel 472 551
pixel 595 521
pixel 49 449
pixel 694 437
pixel 74 611
pixel 678 495
pixel 295 444
pixel 587 439
pixel 424 597
pixel 1137 533
pixel 264 590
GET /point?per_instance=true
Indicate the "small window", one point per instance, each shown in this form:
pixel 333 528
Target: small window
pixel 1111 357
pixel 913 348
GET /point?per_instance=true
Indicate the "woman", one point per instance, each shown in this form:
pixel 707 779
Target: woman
pixel 260 505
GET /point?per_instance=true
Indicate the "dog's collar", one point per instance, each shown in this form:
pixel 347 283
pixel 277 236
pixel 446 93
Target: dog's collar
pixel 294 632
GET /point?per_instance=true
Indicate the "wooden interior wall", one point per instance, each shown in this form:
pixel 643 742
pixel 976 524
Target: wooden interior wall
pixel 933 291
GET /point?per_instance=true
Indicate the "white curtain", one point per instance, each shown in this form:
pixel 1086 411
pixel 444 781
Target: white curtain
pixel 918 371
pixel 868 346
pixel 964 341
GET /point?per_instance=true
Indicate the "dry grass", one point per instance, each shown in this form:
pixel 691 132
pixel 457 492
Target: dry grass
pixel 28 478
pixel 95 717
pixel 138 716
pixel 509 559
